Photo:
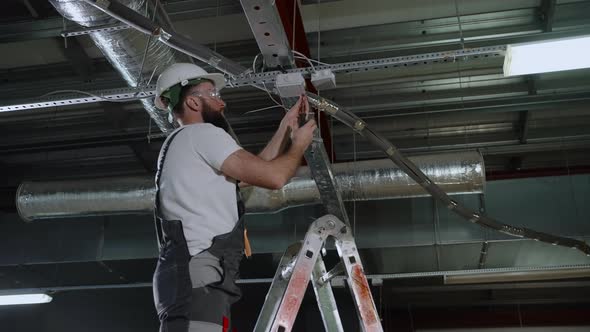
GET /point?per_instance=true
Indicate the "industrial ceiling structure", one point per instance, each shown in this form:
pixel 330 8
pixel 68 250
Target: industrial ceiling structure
pixel 77 120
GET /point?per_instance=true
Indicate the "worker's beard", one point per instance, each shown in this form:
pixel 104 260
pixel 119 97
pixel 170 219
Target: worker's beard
pixel 217 119
pixel 214 117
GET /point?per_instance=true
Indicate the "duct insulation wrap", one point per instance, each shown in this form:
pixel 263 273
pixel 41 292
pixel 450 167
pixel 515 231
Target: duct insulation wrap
pixel 125 49
pixel 457 173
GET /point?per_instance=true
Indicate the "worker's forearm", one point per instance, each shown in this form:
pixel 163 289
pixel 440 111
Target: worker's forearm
pixel 287 164
pixel 276 145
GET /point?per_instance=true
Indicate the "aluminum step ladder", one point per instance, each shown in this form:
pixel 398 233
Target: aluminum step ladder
pixel 302 263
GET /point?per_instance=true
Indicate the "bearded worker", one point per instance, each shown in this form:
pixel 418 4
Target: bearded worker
pixel 198 209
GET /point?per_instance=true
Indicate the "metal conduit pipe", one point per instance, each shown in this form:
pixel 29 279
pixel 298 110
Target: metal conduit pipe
pixel 458 173
pixel 430 185
pixel 125 49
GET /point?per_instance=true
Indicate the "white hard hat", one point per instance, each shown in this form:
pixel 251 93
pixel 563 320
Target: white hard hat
pixel 182 73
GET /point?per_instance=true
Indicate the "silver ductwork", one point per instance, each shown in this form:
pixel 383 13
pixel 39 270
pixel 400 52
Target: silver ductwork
pixel 456 173
pixel 125 49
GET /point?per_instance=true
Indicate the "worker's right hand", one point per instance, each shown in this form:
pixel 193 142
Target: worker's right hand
pixel 301 137
pixel 292 116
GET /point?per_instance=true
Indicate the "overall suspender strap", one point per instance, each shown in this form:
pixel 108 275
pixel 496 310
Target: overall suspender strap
pixel 157 214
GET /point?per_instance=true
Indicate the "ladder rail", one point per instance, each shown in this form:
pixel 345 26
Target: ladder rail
pixel 357 282
pixel 277 289
pixel 325 298
pixel 301 264
pixel 302 273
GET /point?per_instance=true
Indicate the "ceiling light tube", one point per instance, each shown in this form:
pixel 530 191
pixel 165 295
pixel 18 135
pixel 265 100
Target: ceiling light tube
pixel 24 299
pixel 547 56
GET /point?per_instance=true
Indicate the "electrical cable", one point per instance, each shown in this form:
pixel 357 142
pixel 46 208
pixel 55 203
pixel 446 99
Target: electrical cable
pixel 263 88
pixel 271 97
pixel 460 26
pixel 263 109
pixel 310 60
pixel 148 43
pixel 301 56
pixel 254 63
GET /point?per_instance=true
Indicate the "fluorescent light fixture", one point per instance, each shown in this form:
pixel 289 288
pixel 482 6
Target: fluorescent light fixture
pixel 547 56
pixel 24 299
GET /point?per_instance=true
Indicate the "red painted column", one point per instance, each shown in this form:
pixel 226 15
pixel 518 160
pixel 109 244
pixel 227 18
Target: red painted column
pixel 293 25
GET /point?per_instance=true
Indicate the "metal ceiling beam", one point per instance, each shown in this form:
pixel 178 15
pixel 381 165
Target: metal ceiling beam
pixel 269 33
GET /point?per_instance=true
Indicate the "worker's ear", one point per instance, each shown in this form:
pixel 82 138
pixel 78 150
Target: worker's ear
pixel 193 103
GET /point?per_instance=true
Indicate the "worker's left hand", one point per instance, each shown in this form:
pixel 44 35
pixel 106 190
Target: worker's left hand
pixel 292 116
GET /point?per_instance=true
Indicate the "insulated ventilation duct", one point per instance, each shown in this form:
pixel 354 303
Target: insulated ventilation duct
pixel 457 173
pixel 125 49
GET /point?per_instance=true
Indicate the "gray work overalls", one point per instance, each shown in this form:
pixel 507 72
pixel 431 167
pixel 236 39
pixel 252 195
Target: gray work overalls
pixel 177 302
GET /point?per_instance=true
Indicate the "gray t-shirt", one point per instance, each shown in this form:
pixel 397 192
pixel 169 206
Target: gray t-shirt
pixel 192 187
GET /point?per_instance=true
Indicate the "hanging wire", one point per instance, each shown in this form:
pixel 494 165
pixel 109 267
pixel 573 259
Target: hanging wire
pixel 436 224
pixel 64 24
pixel 277 104
pixel 381 301
pixel 411 317
pixel 264 109
pixel 149 41
pixel 302 56
pixel 319 32
pixel 272 98
pixel 152 75
pixel 254 63
pixel 571 182
pixel 293 25
pixel 149 136
pixel 217 19
pixel 460 26
pixel 461 92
